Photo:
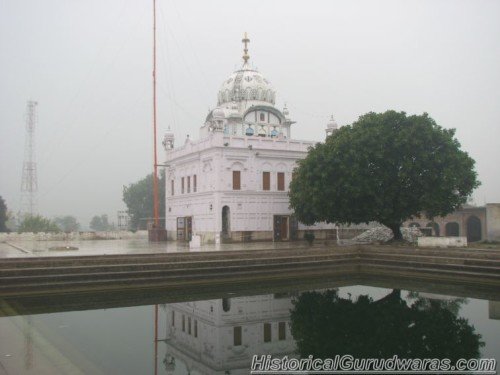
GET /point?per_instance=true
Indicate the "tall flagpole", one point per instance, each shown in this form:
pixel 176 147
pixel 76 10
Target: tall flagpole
pixel 155 156
pixel 155 182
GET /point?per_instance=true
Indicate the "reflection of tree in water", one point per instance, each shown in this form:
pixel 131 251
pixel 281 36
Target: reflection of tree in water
pixel 324 324
pixel 452 304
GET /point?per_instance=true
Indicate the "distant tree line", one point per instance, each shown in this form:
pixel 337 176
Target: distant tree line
pixel 101 223
pixel 3 216
pixel 39 223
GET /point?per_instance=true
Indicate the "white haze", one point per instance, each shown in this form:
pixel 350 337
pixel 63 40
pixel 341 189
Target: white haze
pixel 88 64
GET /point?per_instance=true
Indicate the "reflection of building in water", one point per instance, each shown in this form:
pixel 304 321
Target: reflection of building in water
pixel 221 336
pixel 440 297
pixel 494 310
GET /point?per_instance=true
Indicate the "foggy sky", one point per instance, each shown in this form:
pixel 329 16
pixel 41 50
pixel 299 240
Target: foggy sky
pixel 88 64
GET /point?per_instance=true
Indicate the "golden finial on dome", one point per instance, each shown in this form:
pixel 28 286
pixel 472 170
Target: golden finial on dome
pixel 245 41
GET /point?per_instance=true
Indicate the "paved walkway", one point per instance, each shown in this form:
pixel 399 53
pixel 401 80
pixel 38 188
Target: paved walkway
pixel 16 249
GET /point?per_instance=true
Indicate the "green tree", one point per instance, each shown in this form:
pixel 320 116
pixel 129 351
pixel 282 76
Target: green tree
pixel 37 223
pixel 100 223
pixel 324 324
pixel 138 197
pixel 385 167
pixel 3 216
pixel 67 223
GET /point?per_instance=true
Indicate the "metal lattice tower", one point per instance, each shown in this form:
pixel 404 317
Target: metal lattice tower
pixel 29 184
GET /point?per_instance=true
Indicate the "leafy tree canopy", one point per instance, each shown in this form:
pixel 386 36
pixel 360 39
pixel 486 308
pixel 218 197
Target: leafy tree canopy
pixel 67 223
pixel 385 167
pixel 324 324
pixel 100 223
pixel 3 216
pixel 37 223
pixel 138 197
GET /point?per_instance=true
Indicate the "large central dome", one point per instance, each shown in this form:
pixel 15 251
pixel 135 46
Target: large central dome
pixel 246 84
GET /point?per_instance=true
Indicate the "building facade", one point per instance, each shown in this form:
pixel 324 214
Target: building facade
pixel 476 223
pixel 232 183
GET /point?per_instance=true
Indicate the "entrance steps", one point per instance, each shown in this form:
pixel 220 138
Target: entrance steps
pixel 141 271
pixel 31 276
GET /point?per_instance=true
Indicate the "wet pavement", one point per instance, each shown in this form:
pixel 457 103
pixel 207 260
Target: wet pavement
pixel 16 249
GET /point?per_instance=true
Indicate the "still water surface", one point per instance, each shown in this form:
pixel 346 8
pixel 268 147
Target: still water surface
pixel 220 336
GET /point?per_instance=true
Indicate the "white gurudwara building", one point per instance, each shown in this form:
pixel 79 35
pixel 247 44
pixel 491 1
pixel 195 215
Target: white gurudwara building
pixel 232 183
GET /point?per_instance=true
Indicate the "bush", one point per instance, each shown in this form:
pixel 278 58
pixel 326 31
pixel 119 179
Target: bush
pixel 309 237
pixel 37 224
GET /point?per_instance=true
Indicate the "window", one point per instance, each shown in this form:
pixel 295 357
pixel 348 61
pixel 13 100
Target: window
pixel 173 318
pixel 226 304
pixel 452 229
pixel 266 180
pixel 189 325
pixel 236 180
pixel 194 183
pixel 172 187
pixel 195 328
pixel 182 185
pixel 282 331
pixel 249 131
pixel 183 323
pixel 189 184
pixel 262 117
pixel 267 332
pixel 237 336
pixel 281 181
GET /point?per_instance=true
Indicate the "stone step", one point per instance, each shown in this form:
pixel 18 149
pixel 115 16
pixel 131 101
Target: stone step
pixel 116 272
pixel 433 259
pixel 152 258
pixel 105 268
pixel 227 268
pixel 377 270
pixel 438 252
pixel 429 264
pixel 319 268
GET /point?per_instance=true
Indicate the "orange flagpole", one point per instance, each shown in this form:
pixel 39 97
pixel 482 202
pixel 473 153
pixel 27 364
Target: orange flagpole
pixel 155 156
pixel 155 177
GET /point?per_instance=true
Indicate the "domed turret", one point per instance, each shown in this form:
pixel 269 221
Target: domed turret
pixel 218 113
pixel 285 112
pixel 168 140
pixel 331 127
pixel 217 120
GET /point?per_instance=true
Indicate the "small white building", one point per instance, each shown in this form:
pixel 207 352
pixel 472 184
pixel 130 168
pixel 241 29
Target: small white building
pixel 232 183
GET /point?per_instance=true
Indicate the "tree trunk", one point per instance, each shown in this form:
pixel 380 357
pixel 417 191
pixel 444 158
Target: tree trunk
pixel 395 295
pixel 396 231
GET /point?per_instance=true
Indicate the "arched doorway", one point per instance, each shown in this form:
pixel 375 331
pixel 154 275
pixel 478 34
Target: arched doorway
pixel 452 229
pixel 435 228
pixel 226 221
pixel 473 229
